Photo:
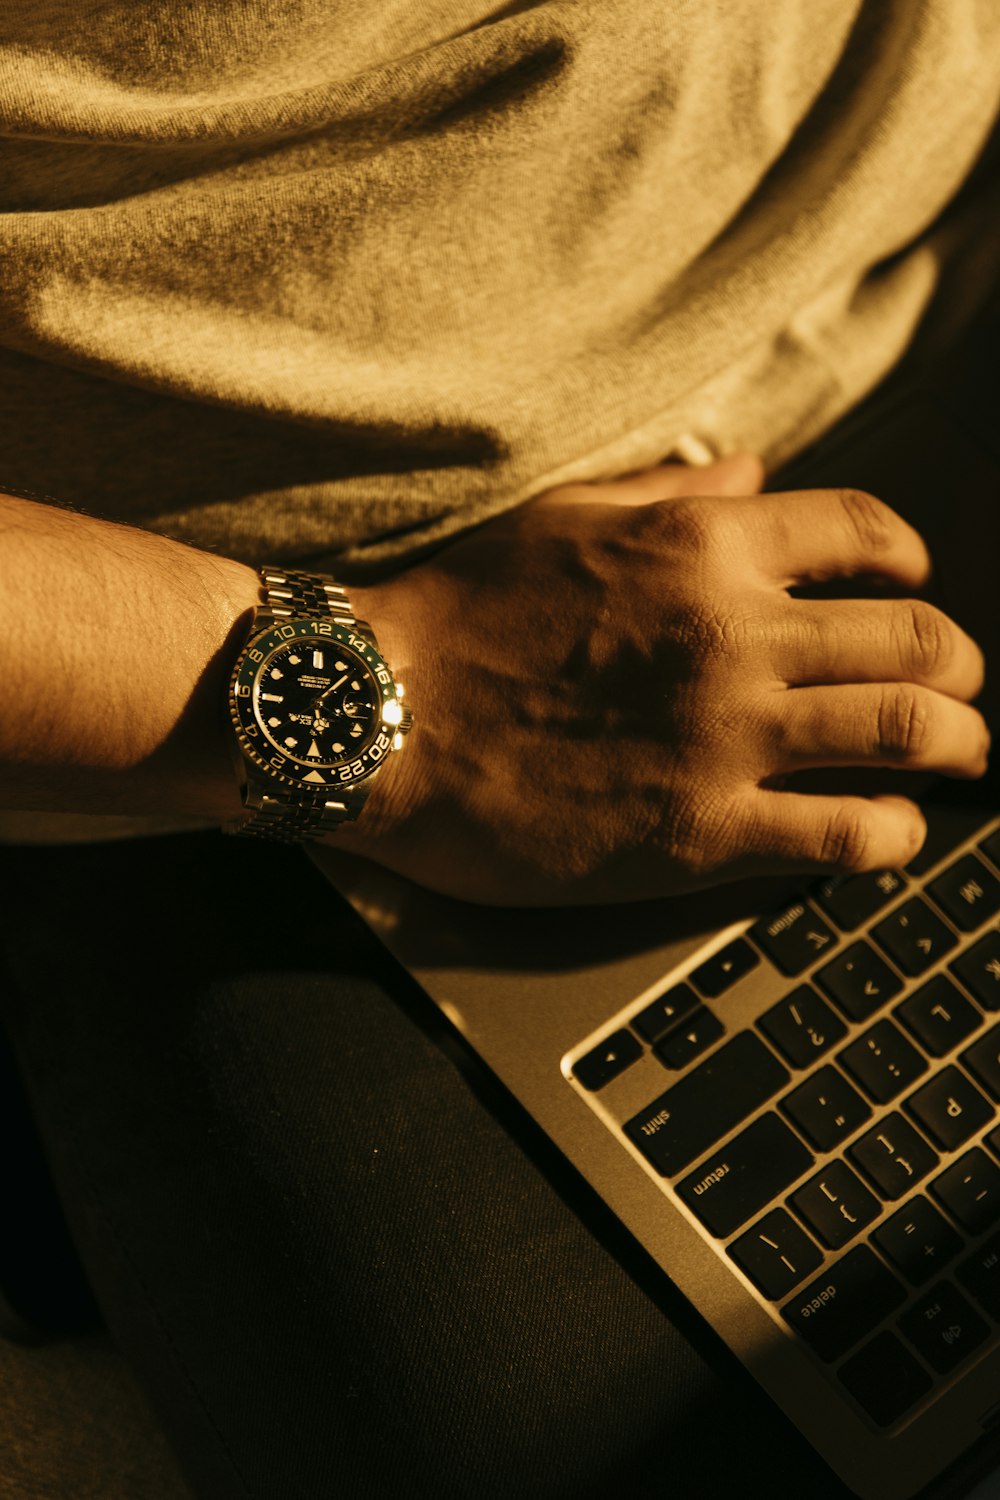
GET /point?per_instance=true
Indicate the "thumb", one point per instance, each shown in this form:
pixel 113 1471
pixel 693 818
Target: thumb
pixel 739 474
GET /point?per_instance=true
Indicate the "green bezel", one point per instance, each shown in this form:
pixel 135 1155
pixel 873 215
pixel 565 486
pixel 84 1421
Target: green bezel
pixel 251 738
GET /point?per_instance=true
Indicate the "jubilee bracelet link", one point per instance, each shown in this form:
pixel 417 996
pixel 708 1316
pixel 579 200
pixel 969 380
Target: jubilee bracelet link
pixel 268 817
pixel 288 593
pixel 292 814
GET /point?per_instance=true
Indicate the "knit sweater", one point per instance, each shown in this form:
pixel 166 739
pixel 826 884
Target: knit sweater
pixel 326 282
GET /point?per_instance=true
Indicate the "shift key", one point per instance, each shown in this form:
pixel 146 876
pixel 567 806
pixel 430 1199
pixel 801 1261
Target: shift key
pixel 688 1119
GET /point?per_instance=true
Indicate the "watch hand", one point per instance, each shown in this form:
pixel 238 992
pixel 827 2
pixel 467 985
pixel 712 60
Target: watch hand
pixel 327 691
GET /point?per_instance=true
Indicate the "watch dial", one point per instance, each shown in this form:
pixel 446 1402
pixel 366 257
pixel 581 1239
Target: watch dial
pixel 317 702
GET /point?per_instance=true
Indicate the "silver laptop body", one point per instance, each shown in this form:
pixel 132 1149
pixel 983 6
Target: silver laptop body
pixel 788 1092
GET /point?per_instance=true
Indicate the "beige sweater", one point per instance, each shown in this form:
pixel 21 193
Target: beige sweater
pixel 297 280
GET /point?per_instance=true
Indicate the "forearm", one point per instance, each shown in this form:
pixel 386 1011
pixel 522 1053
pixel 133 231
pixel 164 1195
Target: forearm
pixel 115 647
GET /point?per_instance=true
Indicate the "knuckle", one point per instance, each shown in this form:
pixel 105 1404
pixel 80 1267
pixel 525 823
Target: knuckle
pixel 869 519
pixel 903 722
pixel 695 835
pixel 929 644
pixel 847 840
pixel 687 524
pixel 714 635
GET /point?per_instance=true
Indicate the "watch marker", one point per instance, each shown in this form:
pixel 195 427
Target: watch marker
pixel 318 705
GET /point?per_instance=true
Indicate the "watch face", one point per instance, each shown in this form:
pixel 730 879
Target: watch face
pixel 317 702
pixel 314 703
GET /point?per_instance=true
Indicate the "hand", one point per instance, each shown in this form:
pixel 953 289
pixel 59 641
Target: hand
pixel 612 682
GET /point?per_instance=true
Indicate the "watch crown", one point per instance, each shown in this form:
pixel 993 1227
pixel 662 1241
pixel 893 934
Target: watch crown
pixel 406 721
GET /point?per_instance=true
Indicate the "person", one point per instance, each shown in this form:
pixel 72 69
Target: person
pixel 502 316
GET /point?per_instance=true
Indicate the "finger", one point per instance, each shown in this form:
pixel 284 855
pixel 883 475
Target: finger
pixel 809 536
pixel 890 724
pixel 740 474
pixel 793 832
pixel 886 640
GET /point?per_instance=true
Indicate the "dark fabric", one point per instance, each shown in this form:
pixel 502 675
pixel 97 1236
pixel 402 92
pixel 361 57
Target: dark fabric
pixel 340 1260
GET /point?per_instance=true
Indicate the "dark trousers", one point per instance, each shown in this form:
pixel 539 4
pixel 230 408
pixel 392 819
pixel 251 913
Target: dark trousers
pixel 339 1258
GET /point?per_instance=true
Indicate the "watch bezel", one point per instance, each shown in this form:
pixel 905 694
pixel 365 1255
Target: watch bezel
pixel 251 738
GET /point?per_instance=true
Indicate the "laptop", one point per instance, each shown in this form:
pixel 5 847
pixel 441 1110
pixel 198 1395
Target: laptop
pixel 789 1091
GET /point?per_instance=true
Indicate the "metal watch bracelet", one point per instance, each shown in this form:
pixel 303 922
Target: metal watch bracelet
pixel 288 816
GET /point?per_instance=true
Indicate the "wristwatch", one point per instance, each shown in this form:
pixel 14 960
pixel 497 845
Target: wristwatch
pixel 315 710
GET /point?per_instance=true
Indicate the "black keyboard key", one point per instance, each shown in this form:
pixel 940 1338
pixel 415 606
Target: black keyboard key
pixel 979 970
pixel 970 1191
pixel 918 1240
pixel 776 1253
pixel 836 1205
pixel 883 1062
pixel 802 1026
pixel 665 1011
pixel 983 1061
pixel 704 1106
pixel 914 937
pixel 720 972
pixel 944 1327
pixel 696 1033
pixel 949 1108
pixel 939 1016
pixel 844 1303
pixel 825 1108
pixel 793 938
pixel 947 827
pixel 884 1379
pixel 893 1156
pixel 980 1275
pixel 741 1178
pixel 850 900
pixel 606 1061
pixel 991 847
pixel 967 892
pixel 858 981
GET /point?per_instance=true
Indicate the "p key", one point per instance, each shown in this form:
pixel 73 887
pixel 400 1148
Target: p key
pixel 949 1108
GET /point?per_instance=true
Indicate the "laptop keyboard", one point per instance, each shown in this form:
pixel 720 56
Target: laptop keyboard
pixel 838 1140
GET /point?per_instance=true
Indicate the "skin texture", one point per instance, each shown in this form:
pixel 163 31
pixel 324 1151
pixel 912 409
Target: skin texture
pixel 614 683
pixel 115 648
pixel 612 686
